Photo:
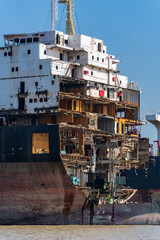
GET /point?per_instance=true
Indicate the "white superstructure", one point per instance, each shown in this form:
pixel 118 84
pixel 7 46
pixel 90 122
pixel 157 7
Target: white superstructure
pixel 32 63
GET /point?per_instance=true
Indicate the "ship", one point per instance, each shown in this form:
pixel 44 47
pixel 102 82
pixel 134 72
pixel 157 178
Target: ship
pixel 69 128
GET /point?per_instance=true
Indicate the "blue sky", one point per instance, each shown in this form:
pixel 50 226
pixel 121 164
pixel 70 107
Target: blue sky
pixel 129 28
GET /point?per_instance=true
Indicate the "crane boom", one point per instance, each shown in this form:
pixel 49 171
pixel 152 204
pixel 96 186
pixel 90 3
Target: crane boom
pixel 70 29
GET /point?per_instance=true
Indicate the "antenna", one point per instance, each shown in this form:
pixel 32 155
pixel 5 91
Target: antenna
pixel 54 13
pixel 70 30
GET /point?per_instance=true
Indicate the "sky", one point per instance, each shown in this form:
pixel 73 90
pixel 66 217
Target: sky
pixel 129 28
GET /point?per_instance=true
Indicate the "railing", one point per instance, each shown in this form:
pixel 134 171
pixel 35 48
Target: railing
pixel 131 97
pixel 75 157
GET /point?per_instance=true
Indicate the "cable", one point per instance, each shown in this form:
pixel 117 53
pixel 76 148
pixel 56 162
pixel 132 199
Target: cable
pixel 61 17
pixel 47 18
pixel 77 21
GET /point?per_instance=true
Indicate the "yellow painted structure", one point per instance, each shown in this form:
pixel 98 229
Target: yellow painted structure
pixel 122 124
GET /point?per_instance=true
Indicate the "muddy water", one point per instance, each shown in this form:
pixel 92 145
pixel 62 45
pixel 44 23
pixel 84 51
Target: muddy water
pixel 79 232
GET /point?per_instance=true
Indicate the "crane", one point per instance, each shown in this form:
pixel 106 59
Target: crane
pixel 54 13
pixel 70 29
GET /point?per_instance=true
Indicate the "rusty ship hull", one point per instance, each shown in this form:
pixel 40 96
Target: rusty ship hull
pixel 35 189
pixel 37 193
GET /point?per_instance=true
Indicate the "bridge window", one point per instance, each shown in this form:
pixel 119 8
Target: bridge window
pixel 36 39
pixel 29 40
pixel 16 40
pixel 23 40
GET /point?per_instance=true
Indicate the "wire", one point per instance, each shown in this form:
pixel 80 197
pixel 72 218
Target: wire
pixel 77 21
pixel 61 17
pixel 47 20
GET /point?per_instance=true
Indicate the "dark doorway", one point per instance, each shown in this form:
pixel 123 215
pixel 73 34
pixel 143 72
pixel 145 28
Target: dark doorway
pixel 61 56
pixel 108 95
pixel 68 149
pixel 22 87
pixel 21 103
pixel 57 39
pixel 88 150
pixel 73 73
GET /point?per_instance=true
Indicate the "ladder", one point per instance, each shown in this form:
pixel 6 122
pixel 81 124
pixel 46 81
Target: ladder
pixel 69 70
pixel 117 82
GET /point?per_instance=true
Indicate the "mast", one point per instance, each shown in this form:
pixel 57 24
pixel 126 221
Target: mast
pixel 70 29
pixel 54 12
